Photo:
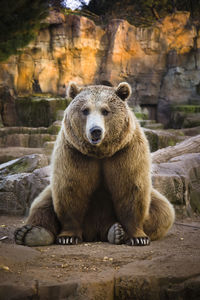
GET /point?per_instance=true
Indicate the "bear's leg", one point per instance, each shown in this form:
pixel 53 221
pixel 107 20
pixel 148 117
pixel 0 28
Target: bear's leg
pixel 131 214
pixel 100 216
pixel 130 192
pixel 71 218
pixel 42 225
pixel 73 183
pixel 161 216
pixel 71 214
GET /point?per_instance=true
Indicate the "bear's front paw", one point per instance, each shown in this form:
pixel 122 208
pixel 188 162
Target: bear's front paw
pixel 33 236
pixel 67 240
pixel 116 234
pixel 139 241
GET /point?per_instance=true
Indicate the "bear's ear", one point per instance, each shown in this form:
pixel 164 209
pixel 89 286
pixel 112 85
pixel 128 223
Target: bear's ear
pixel 123 91
pixel 72 90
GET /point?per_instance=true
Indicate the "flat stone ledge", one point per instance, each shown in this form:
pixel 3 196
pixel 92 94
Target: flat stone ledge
pixel 167 269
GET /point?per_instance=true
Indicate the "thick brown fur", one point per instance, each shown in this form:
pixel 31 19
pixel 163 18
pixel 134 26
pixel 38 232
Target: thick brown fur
pixel 92 186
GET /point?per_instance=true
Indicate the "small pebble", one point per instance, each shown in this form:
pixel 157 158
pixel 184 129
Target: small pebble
pixel 5 268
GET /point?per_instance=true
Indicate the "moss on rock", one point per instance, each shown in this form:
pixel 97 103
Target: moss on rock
pixel 37 111
pixel 186 108
pixel 25 164
pixel 185 116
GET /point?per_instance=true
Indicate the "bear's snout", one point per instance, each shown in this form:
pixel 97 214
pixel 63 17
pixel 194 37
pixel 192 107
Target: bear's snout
pixel 96 134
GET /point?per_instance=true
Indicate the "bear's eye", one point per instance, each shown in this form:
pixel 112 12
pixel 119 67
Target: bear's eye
pixel 86 111
pixel 105 112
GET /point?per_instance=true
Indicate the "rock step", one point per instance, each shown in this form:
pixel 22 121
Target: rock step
pixel 35 140
pixel 163 138
pixel 18 141
pixel 185 116
pixel 154 126
pixel 24 130
pixel 194 100
pixel 53 129
pixel 146 122
pixel 10 153
pixel 32 137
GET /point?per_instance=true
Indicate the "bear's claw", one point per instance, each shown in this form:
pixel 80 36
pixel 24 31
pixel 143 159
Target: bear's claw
pixel 116 234
pixel 67 240
pixel 33 236
pixel 139 241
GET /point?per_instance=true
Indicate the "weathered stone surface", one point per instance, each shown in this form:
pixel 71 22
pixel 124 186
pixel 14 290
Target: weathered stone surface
pixel 190 145
pixel 163 138
pixel 30 111
pixel 19 141
pixel 161 62
pixel 38 111
pixel 25 164
pixel 26 140
pixel 179 180
pixel 10 153
pixel 176 174
pixel 21 181
pixel 167 269
pixel 7 106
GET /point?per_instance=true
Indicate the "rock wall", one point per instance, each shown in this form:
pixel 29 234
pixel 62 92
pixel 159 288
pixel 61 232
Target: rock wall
pixel 162 63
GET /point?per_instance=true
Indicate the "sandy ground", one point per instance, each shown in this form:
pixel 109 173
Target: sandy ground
pixel 167 269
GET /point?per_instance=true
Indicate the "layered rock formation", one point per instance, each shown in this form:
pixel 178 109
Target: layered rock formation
pixel 162 63
pixel 175 173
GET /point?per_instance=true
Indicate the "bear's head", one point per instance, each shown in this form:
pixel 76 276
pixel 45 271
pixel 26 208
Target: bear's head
pixel 98 121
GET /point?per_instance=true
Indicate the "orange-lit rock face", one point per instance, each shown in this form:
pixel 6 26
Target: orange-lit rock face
pixel 74 48
pixel 125 52
pixel 177 32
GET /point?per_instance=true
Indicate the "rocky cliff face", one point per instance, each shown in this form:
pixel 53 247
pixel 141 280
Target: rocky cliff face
pixel 162 63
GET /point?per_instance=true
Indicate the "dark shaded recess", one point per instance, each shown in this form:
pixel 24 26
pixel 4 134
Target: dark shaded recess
pixel 7 106
pixel 34 112
pixel 140 12
pixel 106 82
pixel 152 110
pixel 36 86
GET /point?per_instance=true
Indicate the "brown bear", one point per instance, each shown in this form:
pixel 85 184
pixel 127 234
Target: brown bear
pixel 100 187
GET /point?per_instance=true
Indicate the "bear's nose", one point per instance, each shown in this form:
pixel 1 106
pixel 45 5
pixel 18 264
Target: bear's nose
pixel 96 132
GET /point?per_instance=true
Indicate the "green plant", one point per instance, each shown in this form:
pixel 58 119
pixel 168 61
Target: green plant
pixel 19 23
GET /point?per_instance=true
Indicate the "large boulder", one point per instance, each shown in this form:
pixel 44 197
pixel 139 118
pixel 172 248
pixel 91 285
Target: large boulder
pixel 21 180
pixel 10 153
pixel 163 138
pixel 176 174
pixel 19 141
pixel 179 181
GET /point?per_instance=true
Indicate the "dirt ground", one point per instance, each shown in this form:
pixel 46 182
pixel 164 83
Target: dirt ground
pixel 167 269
